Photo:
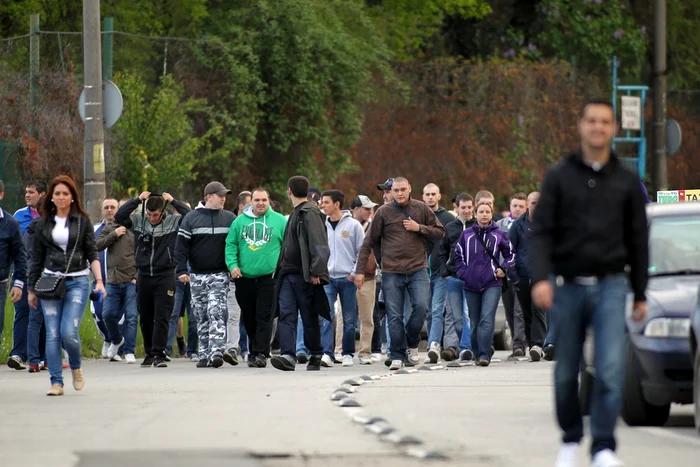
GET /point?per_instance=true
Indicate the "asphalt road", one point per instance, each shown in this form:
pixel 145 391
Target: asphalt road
pixel 183 416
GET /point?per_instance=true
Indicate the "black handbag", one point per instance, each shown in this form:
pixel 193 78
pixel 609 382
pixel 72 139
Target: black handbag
pixel 53 287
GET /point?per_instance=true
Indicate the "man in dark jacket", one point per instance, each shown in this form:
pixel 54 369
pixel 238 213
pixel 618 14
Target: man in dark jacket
pixel 301 273
pixel 455 287
pixel 156 233
pixel 438 285
pixel 12 251
pixel 520 234
pixel 201 243
pixel 590 226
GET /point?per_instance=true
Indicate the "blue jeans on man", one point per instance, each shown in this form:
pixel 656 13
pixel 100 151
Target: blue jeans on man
pixel 295 298
pixel 20 325
pixel 602 306
pixel 482 313
pixel 121 302
pixel 348 304
pixel 405 336
pixel 457 304
pixel 183 299
pixel 36 337
pixel 438 290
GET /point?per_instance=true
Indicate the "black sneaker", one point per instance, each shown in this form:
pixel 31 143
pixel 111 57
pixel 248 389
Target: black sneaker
pixel 260 361
pixel 217 361
pixel 181 347
pixel 159 362
pixel 202 363
pixel 387 362
pixel 231 357
pixel 283 362
pixel 314 364
pixel 251 362
pixel 302 358
pixel 549 352
pixel 166 357
pixel 518 353
pixel 147 362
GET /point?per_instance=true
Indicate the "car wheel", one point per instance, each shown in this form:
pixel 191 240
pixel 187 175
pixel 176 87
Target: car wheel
pixel 696 389
pixel 585 389
pixel 636 411
pixel 504 339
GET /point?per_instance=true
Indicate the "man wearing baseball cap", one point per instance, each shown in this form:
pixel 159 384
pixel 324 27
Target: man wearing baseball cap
pixel 386 188
pixel 201 243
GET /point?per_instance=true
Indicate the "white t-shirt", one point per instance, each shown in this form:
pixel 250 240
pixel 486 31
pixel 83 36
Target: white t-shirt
pixel 60 235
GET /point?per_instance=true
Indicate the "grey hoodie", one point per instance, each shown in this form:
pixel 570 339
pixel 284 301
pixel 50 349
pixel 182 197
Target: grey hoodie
pixel 345 242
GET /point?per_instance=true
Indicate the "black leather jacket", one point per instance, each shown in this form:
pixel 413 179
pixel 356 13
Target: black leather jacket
pixel 47 254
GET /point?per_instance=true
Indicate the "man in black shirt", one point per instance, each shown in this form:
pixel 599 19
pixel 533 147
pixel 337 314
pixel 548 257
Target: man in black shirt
pixel 589 226
pixel 301 274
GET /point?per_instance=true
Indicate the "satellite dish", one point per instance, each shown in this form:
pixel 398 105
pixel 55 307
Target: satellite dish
pixel 112 104
pixel 674 137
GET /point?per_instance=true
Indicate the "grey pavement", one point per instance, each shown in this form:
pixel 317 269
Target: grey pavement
pixel 128 416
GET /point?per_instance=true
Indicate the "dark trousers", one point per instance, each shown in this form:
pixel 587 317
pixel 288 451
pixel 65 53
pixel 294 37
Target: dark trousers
pixel 156 297
pixel 296 296
pixel 379 333
pixel 535 324
pixel 255 297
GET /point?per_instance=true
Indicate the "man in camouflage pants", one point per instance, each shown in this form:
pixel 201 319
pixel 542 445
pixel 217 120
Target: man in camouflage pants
pixel 201 243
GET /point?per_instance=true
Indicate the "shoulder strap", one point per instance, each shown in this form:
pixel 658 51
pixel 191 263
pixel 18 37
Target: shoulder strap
pixel 401 209
pixel 488 252
pixel 75 245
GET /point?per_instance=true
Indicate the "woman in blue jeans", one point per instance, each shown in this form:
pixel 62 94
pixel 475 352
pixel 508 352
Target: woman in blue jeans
pixel 64 246
pixel 476 258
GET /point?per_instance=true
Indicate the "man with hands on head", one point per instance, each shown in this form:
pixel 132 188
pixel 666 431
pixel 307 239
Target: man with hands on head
pixel 155 234
pixel 200 243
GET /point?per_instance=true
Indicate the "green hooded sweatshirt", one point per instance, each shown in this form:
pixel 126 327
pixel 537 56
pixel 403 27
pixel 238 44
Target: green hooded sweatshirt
pixel 254 243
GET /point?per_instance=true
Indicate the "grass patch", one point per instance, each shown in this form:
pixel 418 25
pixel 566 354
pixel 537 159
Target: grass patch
pixel 90 339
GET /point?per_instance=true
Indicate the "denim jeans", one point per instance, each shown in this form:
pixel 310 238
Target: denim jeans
pixel 20 325
pixel 348 304
pixel 405 335
pixel 296 298
pixel 183 299
pixel 36 337
pixel 300 346
pixel 3 297
pixel 550 329
pixel 576 307
pixel 62 323
pixel 121 302
pixel 96 309
pixel 482 312
pixel 456 300
pixel 438 289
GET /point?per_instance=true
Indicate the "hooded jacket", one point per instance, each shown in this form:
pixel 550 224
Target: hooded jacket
pixel 474 264
pixel 344 242
pixel 520 235
pixel 13 250
pixel 254 242
pixel 446 253
pixel 155 244
pixel 201 241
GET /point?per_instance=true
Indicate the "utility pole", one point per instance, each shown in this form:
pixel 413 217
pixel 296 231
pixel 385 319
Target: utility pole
pixel 93 155
pixel 34 56
pixel 659 161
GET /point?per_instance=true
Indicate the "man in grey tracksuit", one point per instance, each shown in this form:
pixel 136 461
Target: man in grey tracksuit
pixel 201 242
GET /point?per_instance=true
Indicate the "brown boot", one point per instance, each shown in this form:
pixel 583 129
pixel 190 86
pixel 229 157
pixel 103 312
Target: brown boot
pixel 78 380
pixel 448 355
pixel 56 390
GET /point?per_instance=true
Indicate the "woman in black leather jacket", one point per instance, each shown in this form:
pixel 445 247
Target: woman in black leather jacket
pixel 64 246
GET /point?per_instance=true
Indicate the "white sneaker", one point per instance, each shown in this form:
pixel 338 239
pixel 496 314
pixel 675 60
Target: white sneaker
pixel 413 356
pixel 568 455
pixel 338 357
pixel 116 358
pixel 606 458
pixel 194 358
pixel 426 360
pixel 347 360
pixel 376 357
pixel 130 358
pixel 434 353
pixel 105 349
pixel 536 353
pixel 396 365
pixel 113 350
pixel 326 361
pixel 365 360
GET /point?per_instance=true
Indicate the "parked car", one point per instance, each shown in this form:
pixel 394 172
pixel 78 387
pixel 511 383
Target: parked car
pixel 695 357
pixel 658 371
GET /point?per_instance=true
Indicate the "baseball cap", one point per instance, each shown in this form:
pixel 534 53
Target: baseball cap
pixel 386 185
pixel 314 194
pixel 362 201
pixel 216 188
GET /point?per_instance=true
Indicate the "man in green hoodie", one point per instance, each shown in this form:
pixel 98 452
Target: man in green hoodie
pixel 253 247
